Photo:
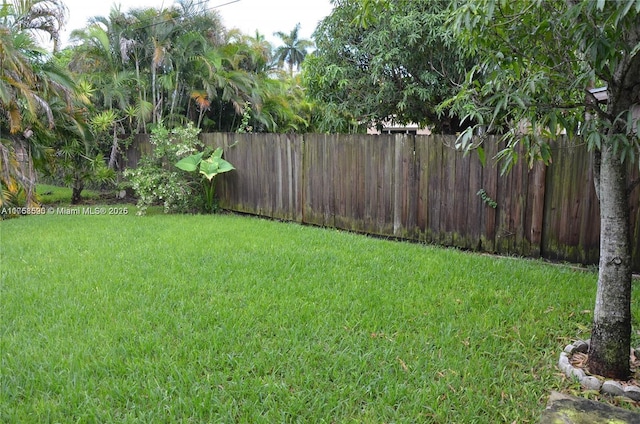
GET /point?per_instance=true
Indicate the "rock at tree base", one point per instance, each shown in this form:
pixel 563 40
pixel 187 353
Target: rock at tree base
pixel 565 409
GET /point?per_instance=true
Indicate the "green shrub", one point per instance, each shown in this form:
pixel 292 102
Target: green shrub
pixel 157 181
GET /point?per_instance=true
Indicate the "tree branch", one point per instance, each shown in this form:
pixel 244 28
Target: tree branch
pixel 593 104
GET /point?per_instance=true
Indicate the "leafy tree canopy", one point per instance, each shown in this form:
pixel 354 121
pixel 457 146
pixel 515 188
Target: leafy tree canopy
pixel 398 64
pixel 538 60
pixel 180 65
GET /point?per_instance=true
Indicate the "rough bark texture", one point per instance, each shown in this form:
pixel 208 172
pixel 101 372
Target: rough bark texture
pixel 76 193
pixel 611 333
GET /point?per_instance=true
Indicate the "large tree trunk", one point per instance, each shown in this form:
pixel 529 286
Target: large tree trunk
pixel 611 333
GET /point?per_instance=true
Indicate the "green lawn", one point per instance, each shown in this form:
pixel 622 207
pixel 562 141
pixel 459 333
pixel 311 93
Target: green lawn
pixel 240 320
pixel 50 194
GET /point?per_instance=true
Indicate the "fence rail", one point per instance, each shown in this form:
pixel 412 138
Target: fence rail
pixel 418 188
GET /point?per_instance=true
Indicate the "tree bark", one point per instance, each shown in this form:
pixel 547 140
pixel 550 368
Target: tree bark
pixel 76 191
pixel 114 148
pixel 611 332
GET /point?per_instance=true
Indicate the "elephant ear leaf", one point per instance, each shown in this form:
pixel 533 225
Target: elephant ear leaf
pixel 215 165
pixel 209 168
pixel 217 154
pixel 224 166
pixel 190 163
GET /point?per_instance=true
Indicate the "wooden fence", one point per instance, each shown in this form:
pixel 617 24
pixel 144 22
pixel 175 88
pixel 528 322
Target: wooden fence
pixel 417 188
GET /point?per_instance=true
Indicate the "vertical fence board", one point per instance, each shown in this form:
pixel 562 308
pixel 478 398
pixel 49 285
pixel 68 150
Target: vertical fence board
pixel 448 187
pixel 435 174
pixel 319 176
pixel 490 179
pixel 535 220
pixel 475 214
pixel 422 178
pixel 384 219
pixel 406 182
pixel 349 184
pixel 509 198
pixel 375 178
pixel 313 209
pixel 571 218
pixel 461 234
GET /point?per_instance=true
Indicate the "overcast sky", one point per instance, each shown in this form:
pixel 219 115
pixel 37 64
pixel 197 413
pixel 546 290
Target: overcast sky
pixel 266 16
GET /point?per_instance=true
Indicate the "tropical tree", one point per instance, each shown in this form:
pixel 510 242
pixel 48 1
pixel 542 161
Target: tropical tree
pixel 539 61
pixel 144 61
pixel 40 18
pixel 28 81
pixel 127 40
pixel 99 63
pixel 98 59
pixel 177 65
pixel 257 52
pixel 174 39
pixel 372 71
pixel 226 86
pixel 293 50
pixel 160 30
pixel 78 158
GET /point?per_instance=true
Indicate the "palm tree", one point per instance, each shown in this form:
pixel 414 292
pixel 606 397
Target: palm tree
pixel 99 61
pixel 38 17
pixel 257 51
pixel 145 62
pixel 160 32
pixel 27 82
pixel 186 47
pixel 195 29
pixel 223 83
pixel 294 50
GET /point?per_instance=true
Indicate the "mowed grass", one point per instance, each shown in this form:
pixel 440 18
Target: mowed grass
pixel 199 319
pixel 50 194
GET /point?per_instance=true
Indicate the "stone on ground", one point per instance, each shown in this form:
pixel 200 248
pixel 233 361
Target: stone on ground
pixel 565 409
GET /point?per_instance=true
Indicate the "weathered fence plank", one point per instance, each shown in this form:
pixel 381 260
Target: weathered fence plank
pixel 347 165
pixel 317 180
pixel 571 222
pixel 477 210
pixel 432 173
pixel 419 188
pixel 536 216
pixel 140 147
pixel 490 185
pixel 406 188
